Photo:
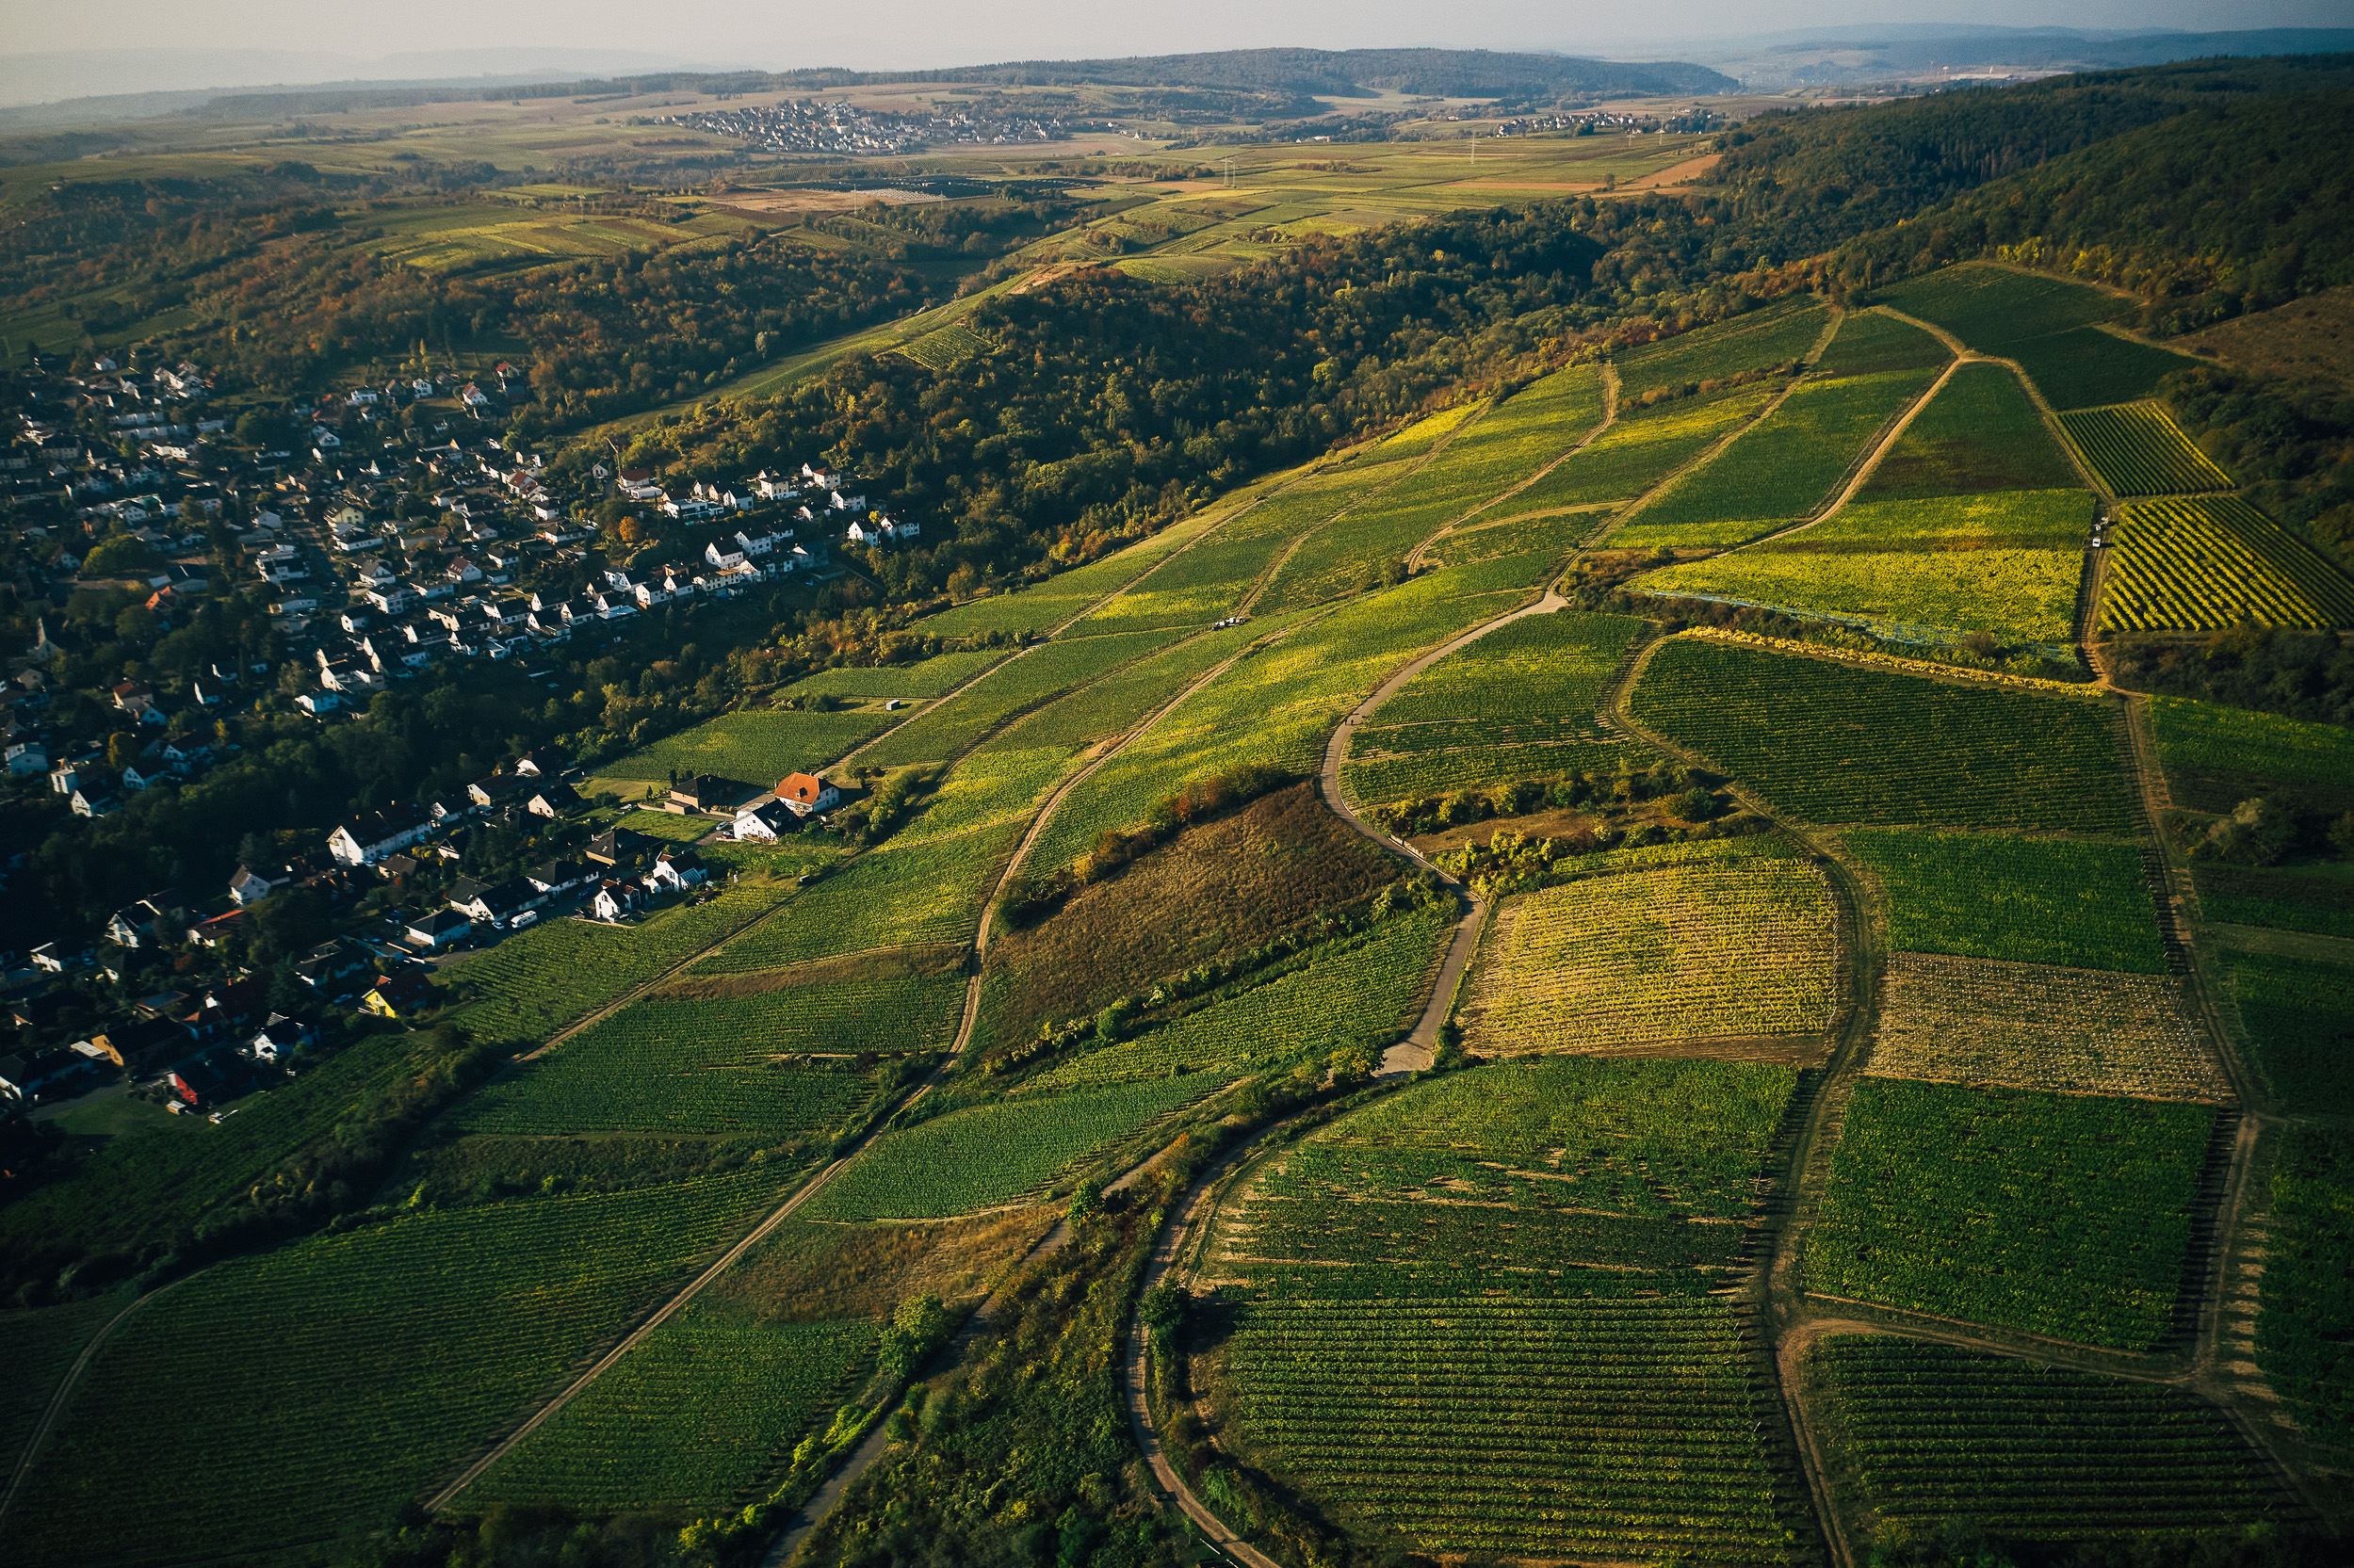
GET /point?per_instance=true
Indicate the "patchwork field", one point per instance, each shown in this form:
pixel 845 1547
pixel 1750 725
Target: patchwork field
pixel 2027 1026
pixel 2206 564
pixel 2031 1452
pixel 1684 952
pixel 1925 1211
pixel 1833 742
pixel 1519 703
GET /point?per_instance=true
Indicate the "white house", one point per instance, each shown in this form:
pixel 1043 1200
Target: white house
pixel 675 871
pixel 766 822
pixel 370 838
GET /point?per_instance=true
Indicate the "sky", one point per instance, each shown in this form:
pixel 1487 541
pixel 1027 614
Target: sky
pixel 779 34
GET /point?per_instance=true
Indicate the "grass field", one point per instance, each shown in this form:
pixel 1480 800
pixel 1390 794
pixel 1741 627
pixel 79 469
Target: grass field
pixel 1001 1153
pixel 1979 432
pixel 699 1420
pixel 2299 1020
pixel 1356 992
pixel 753 746
pixel 1927 1208
pixel 2031 900
pixel 2206 564
pixel 2138 450
pixel 345 1373
pixel 2216 757
pixel 2027 1026
pixel 1838 743
pixel 1741 947
pixel 2026 1451
pixel 1519 703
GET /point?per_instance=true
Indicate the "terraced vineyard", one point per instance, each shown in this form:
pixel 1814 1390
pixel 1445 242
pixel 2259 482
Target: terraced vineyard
pixel 921 891
pixel 2137 449
pixel 1835 743
pixel 1928 1208
pixel 2027 1451
pixel 1686 952
pixel 1519 703
pixel 696 1420
pixel 1780 334
pixel 2025 1026
pixel 2206 564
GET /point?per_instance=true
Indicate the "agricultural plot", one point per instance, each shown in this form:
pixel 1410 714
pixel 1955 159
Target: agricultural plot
pixel 344 1373
pixel 1277 705
pixel 2029 900
pixel 2298 1017
pixel 2026 1026
pixel 1779 334
pixel 1981 432
pixel 2026 1451
pixel 755 746
pixel 1519 703
pixel 2216 757
pixel 2089 366
pixel 1781 468
pixel 1006 1152
pixel 2020 596
pixel 949 729
pixel 1110 707
pixel 1046 607
pixel 2206 564
pixel 1686 952
pixel 899 895
pixel 2137 449
pixel 946 346
pixel 696 1420
pixel 2316 898
pixel 1870 342
pixel 42 1344
pixel 1354 992
pixel 2047 323
pixel 933 677
pixel 1639 451
pixel 1833 742
pixel 1471 1314
pixel 2060 1214
pixel 2304 1313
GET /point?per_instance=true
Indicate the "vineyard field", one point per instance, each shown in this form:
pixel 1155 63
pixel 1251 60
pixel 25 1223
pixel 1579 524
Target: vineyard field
pixel 1989 308
pixel 347 1372
pixel 2027 1451
pixel 758 747
pixel 2216 757
pixel 1639 451
pixel 933 677
pixel 2137 449
pixel 2025 1026
pixel 696 1420
pixel 1870 342
pixel 2203 565
pixel 2060 1214
pixel 949 729
pixel 1985 520
pixel 2316 898
pixel 1045 607
pixel 2304 1313
pixel 2299 1016
pixel 2030 900
pixel 1005 1152
pixel 1783 467
pixel 1361 992
pixel 1831 742
pixel 1745 947
pixel 1981 432
pixel 1782 334
pixel 42 1344
pixel 2087 366
pixel 2019 596
pixel 946 345
pixel 897 895
pixel 1507 701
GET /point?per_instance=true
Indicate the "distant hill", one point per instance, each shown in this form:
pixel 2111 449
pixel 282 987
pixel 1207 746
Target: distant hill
pixel 1357 73
pixel 1832 56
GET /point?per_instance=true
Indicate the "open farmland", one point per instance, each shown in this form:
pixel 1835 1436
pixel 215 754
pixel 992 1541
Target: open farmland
pixel 2029 1026
pixel 1924 1211
pixel 1359 992
pixel 1001 1153
pixel 1833 742
pixel 2138 450
pixel 2298 1017
pixel 2033 1452
pixel 1981 432
pixel 2203 565
pixel 1438 1331
pixel 1686 952
pixel 1519 703
pixel 2030 900
pixel 2305 1322
pixel 352 1368
pixel 693 1421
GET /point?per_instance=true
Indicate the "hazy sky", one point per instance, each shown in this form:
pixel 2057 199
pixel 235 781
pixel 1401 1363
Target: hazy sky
pixel 780 33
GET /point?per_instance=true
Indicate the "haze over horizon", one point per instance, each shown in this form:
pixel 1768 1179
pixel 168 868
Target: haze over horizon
pixel 181 49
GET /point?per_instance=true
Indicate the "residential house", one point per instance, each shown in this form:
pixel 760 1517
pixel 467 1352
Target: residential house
pixel 496 905
pixel 442 929
pixel 675 871
pixel 251 884
pixel 497 790
pixel 767 822
pixel 210 1076
pixel 552 800
pixel 368 839
pixel 559 875
pixel 134 924
pixel 210 934
pixel 613 899
pixel 144 1039
pixel 52 1073
pixel 280 1037
pixel 619 847
pixel 27 758
pixel 806 793
pixel 705 792
pixel 399 995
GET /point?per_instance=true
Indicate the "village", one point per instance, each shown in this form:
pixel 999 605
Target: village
pixel 388 539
